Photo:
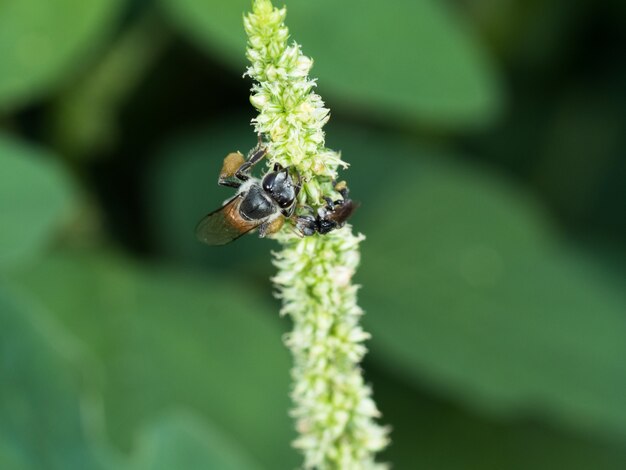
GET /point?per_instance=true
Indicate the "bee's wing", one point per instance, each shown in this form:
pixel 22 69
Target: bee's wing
pixel 224 225
pixel 344 211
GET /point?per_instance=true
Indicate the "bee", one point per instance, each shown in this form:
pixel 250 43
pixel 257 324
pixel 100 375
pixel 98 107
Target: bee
pixel 329 217
pixel 261 204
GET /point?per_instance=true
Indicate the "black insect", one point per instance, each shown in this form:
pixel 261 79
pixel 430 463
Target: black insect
pixel 262 204
pixel 330 217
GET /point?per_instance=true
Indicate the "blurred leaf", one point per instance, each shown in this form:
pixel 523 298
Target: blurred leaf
pixel 479 298
pixel 589 119
pixel 430 433
pixel 87 114
pixel 42 42
pixel 182 441
pixel 11 457
pixel 404 59
pixel 34 194
pixel 41 410
pixel 169 339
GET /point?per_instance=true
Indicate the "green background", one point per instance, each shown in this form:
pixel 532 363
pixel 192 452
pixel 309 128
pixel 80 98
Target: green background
pixel 486 143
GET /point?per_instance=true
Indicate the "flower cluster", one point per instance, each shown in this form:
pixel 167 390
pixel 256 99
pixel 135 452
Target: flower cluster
pixel 334 409
pixel 334 412
pixel 290 113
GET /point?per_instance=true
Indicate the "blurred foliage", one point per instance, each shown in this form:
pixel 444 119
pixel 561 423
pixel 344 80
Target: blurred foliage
pixel 181 441
pixel 34 195
pixel 41 43
pixel 41 424
pixel 436 69
pixel 144 323
pixel 486 143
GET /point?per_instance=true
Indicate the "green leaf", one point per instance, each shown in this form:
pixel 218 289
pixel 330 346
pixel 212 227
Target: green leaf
pixel 181 440
pixel 34 195
pixel 431 433
pixel 44 42
pixel 168 339
pixel 87 116
pixel 11 457
pixel 403 59
pixel 42 407
pixel 467 286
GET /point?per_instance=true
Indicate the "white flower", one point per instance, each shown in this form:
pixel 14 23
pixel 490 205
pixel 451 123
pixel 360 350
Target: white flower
pixel 334 410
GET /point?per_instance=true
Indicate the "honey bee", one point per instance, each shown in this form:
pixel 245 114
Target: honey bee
pixel 261 204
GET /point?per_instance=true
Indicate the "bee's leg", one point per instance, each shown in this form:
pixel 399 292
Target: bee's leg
pixel 243 172
pixel 342 188
pixel 269 228
pixel 228 175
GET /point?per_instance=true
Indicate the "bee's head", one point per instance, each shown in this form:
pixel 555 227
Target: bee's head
pixel 280 186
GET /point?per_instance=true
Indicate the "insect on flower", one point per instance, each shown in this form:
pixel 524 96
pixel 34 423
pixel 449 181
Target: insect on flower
pixel 330 217
pixel 259 203
pixel 265 203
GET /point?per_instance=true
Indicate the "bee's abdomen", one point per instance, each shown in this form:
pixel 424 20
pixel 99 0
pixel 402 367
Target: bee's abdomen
pixel 256 204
